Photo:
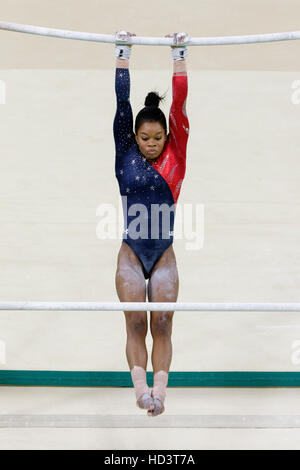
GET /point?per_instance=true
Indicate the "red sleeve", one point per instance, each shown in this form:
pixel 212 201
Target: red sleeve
pixel 178 120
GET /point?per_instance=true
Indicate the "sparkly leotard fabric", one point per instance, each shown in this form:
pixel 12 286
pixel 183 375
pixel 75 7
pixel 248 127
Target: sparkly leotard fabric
pixel 150 190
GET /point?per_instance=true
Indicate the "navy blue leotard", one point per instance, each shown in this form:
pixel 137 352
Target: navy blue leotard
pixel 146 186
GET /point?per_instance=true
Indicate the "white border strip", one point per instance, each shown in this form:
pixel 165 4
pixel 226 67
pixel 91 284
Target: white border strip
pixel 152 306
pixel 129 421
pixel 149 41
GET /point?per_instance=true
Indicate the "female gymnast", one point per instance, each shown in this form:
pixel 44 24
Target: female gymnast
pixel 150 167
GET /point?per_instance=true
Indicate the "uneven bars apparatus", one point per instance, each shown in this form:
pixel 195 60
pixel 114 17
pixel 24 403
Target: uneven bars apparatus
pixel 75 421
pixel 153 306
pixel 149 41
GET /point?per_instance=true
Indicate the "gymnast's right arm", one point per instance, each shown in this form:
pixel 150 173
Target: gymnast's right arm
pixel 123 121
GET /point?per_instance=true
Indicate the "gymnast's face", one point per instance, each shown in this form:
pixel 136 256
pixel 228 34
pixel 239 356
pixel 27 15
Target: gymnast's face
pixel 151 138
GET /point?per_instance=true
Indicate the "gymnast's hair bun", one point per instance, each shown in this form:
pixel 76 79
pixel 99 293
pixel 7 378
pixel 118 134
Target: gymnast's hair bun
pixel 153 99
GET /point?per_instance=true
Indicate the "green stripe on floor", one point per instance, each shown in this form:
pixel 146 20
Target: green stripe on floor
pixel 123 379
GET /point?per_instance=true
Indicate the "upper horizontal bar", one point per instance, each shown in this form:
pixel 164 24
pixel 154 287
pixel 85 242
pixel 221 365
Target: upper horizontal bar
pixel 149 41
pixel 152 306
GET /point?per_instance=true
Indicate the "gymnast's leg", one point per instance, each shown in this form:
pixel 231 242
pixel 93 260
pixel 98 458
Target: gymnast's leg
pixel 131 287
pixel 162 287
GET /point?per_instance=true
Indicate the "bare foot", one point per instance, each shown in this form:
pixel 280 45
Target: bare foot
pixel 145 402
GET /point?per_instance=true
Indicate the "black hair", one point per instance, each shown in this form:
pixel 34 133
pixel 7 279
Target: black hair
pixel 151 112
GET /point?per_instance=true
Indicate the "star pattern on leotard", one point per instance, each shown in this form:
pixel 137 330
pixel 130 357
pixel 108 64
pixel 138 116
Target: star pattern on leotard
pixel 138 171
pixel 185 128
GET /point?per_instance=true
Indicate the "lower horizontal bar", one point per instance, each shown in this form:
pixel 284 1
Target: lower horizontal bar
pixel 149 41
pixel 123 379
pixel 164 421
pixel 153 306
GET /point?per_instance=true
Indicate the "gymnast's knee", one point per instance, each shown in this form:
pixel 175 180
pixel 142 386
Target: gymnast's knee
pixel 136 323
pixel 161 325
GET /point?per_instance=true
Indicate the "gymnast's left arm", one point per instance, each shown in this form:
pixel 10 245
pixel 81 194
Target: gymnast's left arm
pixel 178 120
